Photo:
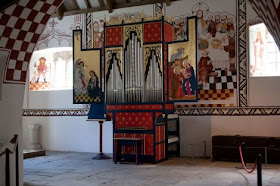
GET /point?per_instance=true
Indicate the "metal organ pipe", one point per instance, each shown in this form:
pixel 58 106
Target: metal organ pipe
pixel 114 83
pixel 136 88
pixel 154 81
pixel 133 70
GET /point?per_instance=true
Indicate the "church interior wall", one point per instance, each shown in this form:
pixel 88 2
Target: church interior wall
pixel 74 133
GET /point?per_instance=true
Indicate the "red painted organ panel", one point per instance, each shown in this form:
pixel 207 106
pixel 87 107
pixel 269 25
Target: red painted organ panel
pixel 152 32
pixel 113 36
pixel 134 120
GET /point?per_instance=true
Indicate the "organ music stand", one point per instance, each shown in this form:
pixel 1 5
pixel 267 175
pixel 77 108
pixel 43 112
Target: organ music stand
pixel 97 113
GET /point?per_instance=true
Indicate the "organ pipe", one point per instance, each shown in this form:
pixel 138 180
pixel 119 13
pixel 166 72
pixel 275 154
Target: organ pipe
pixel 131 86
pixel 114 83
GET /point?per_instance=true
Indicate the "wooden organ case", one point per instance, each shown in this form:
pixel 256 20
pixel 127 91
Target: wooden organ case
pixel 136 83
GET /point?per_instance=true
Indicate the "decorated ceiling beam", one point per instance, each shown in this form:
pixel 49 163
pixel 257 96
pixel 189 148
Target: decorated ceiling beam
pixel 120 5
pixel 110 6
pixel 60 12
pixel 101 3
pixel 75 5
pixel 138 3
pixel 87 3
pixel 167 2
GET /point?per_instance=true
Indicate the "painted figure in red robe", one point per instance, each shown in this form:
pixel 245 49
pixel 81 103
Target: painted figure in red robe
pixel 179 77
pixel 204 67
pixel 231 50
pixel 42 69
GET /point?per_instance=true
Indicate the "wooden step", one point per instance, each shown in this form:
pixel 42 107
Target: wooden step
pixel 33 153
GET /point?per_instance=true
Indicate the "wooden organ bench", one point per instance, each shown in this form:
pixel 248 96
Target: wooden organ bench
pixel 137 145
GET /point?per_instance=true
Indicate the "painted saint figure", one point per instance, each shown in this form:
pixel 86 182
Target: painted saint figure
pixel 200 22
pixel 42 69
pixel 258 50
pixel 93 85
pixel 204 67
pixel 223 23
pixel 179 78
pixel 217 22
pixel 230 25
pixel 231 50
pixel 79 78
pixel 189 83
pixel 211 26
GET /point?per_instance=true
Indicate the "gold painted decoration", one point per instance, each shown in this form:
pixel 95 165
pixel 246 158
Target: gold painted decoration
pixel 147 53
pixel 109 53
pixel 114 21
pixel 87 81
pixel 182 65
pixel 128 29
pixel 169 19
pixel 153 18
pixel 132 18
pixel 125 18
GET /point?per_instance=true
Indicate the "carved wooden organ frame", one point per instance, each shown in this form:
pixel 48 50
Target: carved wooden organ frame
pixel 136 82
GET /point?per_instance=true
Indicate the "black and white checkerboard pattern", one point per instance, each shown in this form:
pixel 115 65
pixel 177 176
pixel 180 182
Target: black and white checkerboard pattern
pixel 224 80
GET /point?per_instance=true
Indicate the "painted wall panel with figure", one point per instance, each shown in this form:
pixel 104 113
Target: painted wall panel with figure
pixel 182 65
pixel 87 73
pixel 51 69
pixel 216 43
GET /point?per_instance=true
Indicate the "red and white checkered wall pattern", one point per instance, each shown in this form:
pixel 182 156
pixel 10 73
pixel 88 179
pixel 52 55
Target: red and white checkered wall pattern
pixel 20 28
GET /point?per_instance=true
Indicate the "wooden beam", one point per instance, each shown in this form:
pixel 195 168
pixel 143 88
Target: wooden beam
pixel 6 3
pixel 110 6
pixel 167 2
pixel 127 1
pixel 84 11
pixel 60 11
pixel 102 8
pixel 101 3
pixel 87 3
pixel 138 3
pixel 75 4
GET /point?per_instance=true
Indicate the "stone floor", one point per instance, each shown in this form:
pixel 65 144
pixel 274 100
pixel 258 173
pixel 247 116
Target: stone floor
pixel 78 169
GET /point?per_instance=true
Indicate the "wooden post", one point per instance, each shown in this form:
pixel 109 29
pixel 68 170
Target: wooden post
pixel 17 167
pixel 100 155
pixel 100 136
pixel 7 167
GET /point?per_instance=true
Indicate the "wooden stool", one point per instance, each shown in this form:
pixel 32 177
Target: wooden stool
pixel 136 142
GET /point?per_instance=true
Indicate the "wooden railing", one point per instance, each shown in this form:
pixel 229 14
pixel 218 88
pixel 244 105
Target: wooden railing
pixel 7 153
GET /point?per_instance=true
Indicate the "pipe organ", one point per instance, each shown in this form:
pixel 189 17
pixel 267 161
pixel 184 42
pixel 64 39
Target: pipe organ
pixel 114 82
pixel 136 83
pixel 133 65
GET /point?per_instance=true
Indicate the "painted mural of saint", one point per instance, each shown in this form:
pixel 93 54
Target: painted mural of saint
pixel 79 78
pixel 189 82
pixel 200 22
pixel 42 69
pixel 211 26
pixel 93 85
pixel 231 50
pixel 204 67
pixel 258 50
pixel 178 81
pixel 98 34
